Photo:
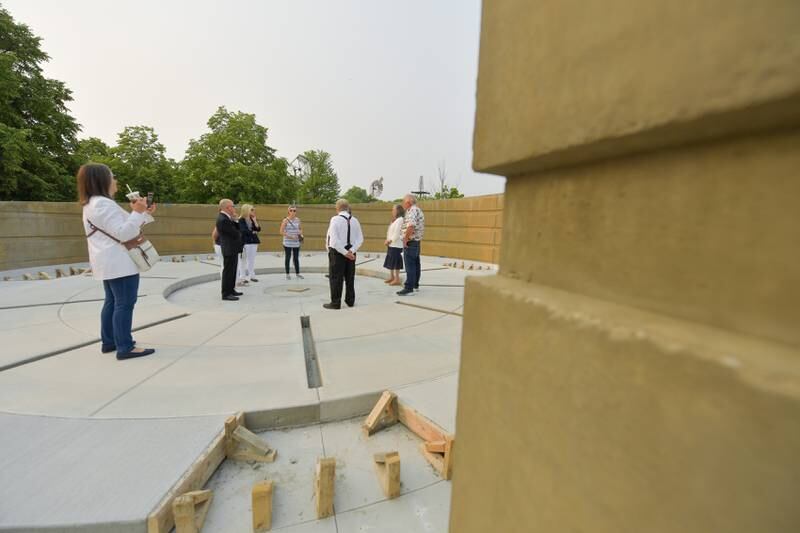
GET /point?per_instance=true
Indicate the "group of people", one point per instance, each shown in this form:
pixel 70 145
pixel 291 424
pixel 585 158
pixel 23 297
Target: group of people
pixel 110 229
pixel 236 245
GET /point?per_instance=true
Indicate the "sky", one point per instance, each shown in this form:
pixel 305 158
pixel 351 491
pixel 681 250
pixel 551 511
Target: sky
pixel 387 87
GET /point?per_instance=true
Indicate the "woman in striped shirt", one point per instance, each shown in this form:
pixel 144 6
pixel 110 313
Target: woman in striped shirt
pixel 292 232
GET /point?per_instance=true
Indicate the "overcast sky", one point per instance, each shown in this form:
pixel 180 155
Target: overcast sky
pixel 387 87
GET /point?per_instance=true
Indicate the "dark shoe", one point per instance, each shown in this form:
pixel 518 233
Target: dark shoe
pixel 108 349
pixel 405 292
pixel 231 298
pixel 331 306
pixel 132 355
pixel 350 305
pixel 237 293
pixel 254 279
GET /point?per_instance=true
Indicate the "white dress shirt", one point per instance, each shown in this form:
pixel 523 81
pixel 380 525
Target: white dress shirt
pixel 337 233
pixel 110 259
pixel 395 233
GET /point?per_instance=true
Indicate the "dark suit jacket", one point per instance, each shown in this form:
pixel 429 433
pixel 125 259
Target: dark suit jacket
pixel 249 236
pixel 230 238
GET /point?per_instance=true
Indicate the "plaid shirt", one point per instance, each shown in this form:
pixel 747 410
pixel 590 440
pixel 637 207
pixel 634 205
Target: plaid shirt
pixel 414 217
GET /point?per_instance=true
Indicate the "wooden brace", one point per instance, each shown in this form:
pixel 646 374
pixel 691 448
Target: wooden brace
pixel 190 510
pixel 241 444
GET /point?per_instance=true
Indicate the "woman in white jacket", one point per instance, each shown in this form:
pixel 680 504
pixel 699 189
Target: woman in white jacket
pixel 394 246
pixel 107 225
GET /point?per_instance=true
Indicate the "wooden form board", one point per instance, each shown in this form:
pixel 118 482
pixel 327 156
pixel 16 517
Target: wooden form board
pixel 324 486
pixel 262 506
pixel 435 437
pixel 160 519
pixel 190 510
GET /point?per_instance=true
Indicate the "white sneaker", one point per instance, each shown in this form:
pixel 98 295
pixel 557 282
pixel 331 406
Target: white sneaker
pixel 299 276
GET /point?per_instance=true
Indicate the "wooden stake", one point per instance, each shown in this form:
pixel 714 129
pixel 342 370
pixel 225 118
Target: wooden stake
pixel 324 486
pixel 387 466
pixel 190 511
pixel 436 446
pixel 262 506
pixel 241 444
pixel 383 415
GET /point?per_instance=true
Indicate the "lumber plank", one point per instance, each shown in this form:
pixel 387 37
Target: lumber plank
pixel 436 446
pixel 160 519
pixel 189 510
pixel 262 506
pixel 384 414
pixel 419 424
pixel 251 440
pixel 324 486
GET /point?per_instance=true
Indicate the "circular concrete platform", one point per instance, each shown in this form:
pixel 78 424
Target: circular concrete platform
pixel 213 358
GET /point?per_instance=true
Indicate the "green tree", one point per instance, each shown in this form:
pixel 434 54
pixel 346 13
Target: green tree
pixel 37 134
pixel 234 161
pixel 447 193
pixel 357 195
pixel 319 184
pixel 91 149
pixel 139 160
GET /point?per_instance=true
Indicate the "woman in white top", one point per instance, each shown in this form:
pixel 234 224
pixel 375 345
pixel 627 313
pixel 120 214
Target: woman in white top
pixel 107 226
pixel 394 242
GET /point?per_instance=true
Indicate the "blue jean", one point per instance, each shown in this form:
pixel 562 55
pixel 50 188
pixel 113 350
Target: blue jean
pixel 117 314
pixel 413 266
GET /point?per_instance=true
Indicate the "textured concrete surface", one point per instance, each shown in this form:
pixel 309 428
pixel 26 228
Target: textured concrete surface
pixel 221 358
pixel 82 474
pixel 645 368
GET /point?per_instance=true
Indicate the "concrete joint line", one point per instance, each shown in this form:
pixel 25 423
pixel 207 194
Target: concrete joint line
pixel 39 357
pixel 58 303
pixel 313 375
pixel 443 311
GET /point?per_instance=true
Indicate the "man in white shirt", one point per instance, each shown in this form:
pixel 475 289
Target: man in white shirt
pixel 344 239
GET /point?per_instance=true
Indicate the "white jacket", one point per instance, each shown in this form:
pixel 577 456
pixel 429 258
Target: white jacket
pixel 395 233
pixel 110 259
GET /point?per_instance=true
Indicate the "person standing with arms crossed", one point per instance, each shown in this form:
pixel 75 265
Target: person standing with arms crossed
pixel 344 239
pixel 413 230
pixel 230 240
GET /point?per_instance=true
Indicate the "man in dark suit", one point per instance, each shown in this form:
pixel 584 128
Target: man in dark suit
pixel 230 240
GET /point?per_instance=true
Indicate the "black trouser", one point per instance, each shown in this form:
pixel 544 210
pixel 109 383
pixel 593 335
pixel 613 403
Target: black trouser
pixel 342 270
pixel 229 264
pixel 295 252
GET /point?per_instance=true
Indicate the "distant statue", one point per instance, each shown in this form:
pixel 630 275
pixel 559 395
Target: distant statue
pixel 376 188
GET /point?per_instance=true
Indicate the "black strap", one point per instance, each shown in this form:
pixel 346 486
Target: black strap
pixel 95 229
pixel 348 246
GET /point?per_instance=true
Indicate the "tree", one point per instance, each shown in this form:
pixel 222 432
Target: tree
pixel 37 134
pixel 234 161
pixel 357 195
pixel 91 149
pixel 139 160
pixel 444 190
pixel 319 184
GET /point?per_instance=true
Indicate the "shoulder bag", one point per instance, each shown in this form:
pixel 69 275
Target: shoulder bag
pixel 140 250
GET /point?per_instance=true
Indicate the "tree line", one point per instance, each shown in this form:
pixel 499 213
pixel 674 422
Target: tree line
pixel 40 151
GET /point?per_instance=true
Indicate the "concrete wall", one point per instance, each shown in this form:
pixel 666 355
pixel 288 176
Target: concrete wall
pixel 636 364
pixel 42 233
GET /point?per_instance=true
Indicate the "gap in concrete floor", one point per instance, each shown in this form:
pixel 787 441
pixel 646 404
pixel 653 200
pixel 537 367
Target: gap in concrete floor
pixel 423 505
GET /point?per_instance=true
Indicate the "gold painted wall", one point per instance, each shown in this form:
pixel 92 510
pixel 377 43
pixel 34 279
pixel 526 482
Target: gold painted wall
pixel 42 233
pixel 635 366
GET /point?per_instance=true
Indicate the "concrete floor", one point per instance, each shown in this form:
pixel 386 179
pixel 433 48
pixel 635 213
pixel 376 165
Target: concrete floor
pixel 215 358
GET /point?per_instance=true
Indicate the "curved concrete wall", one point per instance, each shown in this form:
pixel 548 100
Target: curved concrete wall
pixel 44 233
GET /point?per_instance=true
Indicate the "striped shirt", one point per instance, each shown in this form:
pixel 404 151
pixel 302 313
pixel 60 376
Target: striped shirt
pixel 414 217
pixel 292 229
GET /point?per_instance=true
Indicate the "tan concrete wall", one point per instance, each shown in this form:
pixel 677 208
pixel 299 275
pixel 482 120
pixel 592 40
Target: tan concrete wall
pixel 635 366
pixel 42 233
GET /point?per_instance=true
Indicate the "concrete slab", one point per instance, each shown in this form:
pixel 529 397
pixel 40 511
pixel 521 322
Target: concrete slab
pixel 435 398
pixel 208 380
pixel 92 475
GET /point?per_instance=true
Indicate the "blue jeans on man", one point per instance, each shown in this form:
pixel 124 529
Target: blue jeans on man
pixel 412 264
pixel 116 318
